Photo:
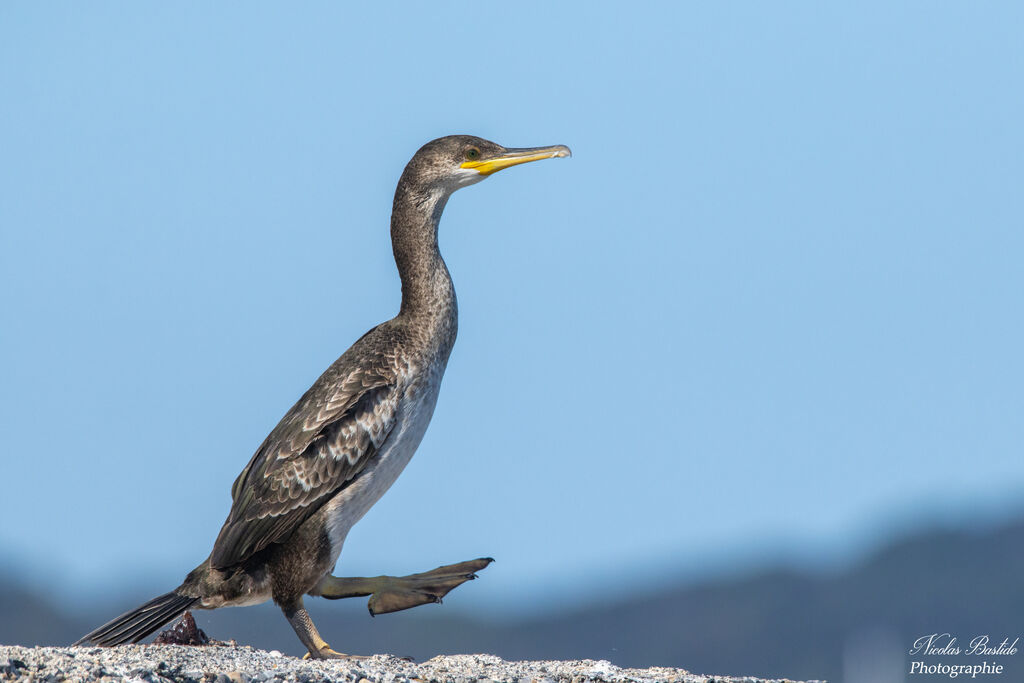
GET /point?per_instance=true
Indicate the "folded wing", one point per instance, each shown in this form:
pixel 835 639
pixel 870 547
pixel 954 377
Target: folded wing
pixel 321 445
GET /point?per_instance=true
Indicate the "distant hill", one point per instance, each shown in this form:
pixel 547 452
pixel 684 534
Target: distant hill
pixel 770 623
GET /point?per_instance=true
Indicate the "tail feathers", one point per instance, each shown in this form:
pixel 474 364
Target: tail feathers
pixel 133 626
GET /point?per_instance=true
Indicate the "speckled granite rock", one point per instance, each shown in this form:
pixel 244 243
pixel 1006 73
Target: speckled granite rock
pixel 182 664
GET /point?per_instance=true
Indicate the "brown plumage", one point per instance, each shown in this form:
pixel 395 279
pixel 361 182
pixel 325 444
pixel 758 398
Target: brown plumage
pixel 323 441
pixel 347 438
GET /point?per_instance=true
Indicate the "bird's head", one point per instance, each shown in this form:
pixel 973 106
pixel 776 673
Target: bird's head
pixel 449 163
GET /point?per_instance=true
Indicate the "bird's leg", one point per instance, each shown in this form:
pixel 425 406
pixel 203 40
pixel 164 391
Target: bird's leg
pixel 318 648
pixel 394 593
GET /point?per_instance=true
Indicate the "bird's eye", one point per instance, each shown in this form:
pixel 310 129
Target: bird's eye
pixel 472 154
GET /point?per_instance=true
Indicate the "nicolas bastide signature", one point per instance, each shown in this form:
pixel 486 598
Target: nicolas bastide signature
pixel 945 644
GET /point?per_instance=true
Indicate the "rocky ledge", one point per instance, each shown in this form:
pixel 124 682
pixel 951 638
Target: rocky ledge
pixel 237 664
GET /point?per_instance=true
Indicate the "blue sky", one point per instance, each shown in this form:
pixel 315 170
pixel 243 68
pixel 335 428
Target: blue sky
pixel 770 308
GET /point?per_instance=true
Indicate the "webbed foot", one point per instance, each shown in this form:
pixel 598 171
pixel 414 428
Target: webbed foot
pixel 318 648
pixel 395 593
pixel 327 653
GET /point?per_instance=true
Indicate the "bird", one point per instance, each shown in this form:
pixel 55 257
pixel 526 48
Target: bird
pixel 347 439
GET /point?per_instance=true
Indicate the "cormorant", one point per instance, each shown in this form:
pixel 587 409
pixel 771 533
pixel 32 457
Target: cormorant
pixel 348 438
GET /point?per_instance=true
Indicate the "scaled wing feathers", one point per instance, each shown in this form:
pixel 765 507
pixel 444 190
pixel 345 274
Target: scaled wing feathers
pixel 323 442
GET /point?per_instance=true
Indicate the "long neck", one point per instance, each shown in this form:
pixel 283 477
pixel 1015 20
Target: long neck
pixel 426 285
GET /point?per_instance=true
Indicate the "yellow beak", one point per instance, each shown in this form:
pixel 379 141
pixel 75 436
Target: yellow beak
pixel 512 157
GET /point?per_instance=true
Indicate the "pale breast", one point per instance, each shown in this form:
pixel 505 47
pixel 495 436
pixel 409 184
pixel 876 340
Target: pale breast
pixel 350 504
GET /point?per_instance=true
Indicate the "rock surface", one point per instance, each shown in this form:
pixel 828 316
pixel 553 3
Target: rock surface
pixel 236 664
